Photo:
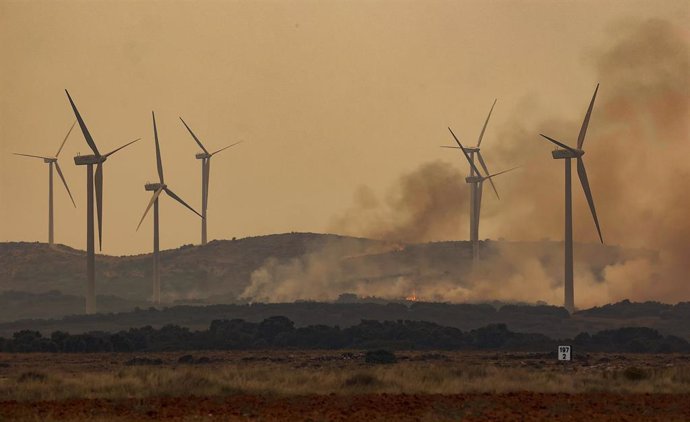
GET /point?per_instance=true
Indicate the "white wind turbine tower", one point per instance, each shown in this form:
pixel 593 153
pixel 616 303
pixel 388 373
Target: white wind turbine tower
pixel 205 158
pixel 567 154
pixel 89 161
pixel 157 189
pixel 476 180
pixel 53 161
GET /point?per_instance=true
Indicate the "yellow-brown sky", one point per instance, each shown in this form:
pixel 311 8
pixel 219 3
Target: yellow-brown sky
pixel 328 96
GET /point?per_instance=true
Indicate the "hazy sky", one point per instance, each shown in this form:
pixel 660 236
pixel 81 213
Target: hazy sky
pixel 328 96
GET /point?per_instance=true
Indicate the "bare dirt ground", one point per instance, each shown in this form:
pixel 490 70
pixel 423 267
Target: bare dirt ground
pixel 519 406
pixel 340 386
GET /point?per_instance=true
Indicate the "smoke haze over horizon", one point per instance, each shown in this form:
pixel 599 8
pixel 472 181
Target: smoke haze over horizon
pixel 636 156
pixel 342 108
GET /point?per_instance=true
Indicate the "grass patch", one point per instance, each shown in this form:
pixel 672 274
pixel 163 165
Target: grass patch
pixel 31 376
pixel 634 373
pixel 289 378
pixel 361 380
pixel 380 357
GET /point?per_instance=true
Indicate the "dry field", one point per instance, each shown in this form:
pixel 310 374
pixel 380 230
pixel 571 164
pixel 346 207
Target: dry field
pixel 337 385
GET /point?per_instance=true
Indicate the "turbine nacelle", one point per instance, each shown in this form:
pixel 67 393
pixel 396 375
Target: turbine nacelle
pixel 82 160
pixel 203 155
pixel 564 153
pixel 155 186
pixel 49 160
pixel 474 179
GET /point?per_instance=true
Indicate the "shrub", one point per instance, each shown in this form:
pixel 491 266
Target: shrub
pixel 380 357
pixel 32 376
pixel 633 373
pixel 361 380
pixel 186 359
pixel 144 361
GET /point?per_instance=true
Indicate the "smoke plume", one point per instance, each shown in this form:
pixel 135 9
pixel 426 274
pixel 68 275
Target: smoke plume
pixel 636 157
pixel 637 152
pixel 425 204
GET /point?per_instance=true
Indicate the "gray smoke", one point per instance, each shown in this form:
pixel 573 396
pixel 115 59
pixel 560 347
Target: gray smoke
pixel 637 152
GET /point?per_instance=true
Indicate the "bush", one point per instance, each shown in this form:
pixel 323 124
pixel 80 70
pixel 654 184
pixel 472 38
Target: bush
pixel 361 380
pixel 186 359
pixel 633 373
pixel 380 357
pixel 32 376
pixel 144 361
pixel 191 360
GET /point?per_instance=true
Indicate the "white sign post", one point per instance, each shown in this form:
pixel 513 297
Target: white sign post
pixel 564 353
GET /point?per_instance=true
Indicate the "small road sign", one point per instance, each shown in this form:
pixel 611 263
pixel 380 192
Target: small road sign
pixel 564 353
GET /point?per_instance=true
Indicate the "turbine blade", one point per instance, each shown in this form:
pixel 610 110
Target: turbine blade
pixel 481 135
pixel 99 203
pixel 560 144
pixel 151 202
pixel 57 167
pixel 178 199
pixel 65 140
pixel 194 136
pixel 82 125
pixel 500 172
pixel 29 155
pixel 486 171
pixel 465 153
pixel 585 122
pixel 588 193
pixel 223 149
pixel 159 163
pixel 116 150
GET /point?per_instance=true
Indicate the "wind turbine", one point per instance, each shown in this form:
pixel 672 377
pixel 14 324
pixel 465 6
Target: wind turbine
pixel 205 158
pixel 157 188
pixel 473 180
pixel 477 182
pixel 567 154
pixel 89 161
pixel 53 161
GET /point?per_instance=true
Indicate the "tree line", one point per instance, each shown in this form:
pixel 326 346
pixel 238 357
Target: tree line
pixel 279 332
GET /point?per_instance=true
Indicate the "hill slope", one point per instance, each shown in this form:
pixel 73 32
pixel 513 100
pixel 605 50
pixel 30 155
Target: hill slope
pixel 284 268
pixel 220 268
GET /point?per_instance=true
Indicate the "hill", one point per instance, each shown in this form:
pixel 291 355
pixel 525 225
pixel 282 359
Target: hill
pixel 219 268
pixel 286 267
